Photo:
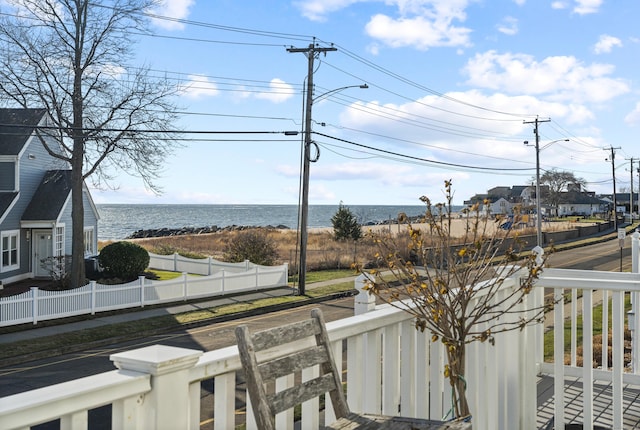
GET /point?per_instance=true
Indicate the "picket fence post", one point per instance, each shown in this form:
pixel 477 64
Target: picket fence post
pixel 93 297
pixel 175 261
pixel 185 286
pixel 223 275
pixel 34 304
pixel 141 282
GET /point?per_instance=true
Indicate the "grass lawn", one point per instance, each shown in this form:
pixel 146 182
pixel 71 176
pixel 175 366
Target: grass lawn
pixel 597 328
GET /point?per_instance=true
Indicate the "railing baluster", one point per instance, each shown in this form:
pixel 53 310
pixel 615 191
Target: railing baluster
pixel 617 314
pixel 558 356
pixel 224 401
pixel 587 358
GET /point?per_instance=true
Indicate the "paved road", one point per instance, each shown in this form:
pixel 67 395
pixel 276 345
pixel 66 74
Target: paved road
pixel 603 256
pixel 27 376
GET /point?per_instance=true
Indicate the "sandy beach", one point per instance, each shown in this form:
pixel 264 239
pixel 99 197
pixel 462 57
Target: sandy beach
pixel 459 226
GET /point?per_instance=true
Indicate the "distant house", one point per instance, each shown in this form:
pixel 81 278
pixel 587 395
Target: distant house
pixel 502 200
pixel 580 203
pixel 35 200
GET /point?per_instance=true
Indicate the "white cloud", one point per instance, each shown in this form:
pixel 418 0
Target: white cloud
pixel 422 24
pixel 451 130
pixel 633 118
pixel 199 86
pixel 317 10
pixel 559 5
pixel 508 26
pixel 175 9
pixel 418 32
pixel 606 43
pixel 279 91
pixel 419 23
pixel 321 193
pixel 584 7
pixel 360 171
pixel 559 77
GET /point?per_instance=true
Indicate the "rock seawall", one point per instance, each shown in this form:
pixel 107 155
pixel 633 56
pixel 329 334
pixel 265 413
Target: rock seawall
pixel 165 232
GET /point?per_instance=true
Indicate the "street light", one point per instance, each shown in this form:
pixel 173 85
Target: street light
pixel 538 210
pixel 304 210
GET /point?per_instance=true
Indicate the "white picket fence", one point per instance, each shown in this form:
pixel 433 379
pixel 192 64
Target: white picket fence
pixel 220 279
pixel 205 266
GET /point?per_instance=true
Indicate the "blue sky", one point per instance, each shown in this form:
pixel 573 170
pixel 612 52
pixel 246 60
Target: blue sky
pixel 452 84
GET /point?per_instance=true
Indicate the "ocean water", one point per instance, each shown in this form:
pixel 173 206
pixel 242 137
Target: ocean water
pixel 117 221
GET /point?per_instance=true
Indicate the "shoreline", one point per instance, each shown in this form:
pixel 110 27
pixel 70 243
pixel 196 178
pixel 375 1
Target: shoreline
pixel 458 228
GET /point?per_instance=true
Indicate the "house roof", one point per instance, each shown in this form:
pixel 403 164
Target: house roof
pixel 16 125
pixel 5 201
pixel 50 197
pixel 579 198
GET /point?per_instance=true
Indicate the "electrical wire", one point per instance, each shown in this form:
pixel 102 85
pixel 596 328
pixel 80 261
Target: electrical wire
pixel 424 160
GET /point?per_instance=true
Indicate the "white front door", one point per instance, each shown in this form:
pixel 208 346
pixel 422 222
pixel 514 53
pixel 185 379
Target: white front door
pixel 42 249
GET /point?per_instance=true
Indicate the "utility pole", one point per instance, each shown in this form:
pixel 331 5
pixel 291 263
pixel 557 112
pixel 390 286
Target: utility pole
pixel 631 191
pixel 538 195
pixel 312 52
pixel 613 170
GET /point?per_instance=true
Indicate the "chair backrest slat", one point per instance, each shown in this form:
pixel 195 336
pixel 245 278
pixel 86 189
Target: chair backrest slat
pixel 257 374
pixel 285 399
pixel 292 363
pixel 285 334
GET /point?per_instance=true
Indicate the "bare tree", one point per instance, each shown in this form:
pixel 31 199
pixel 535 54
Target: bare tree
pixel 456 287
pixel 70 57
pixel 556 182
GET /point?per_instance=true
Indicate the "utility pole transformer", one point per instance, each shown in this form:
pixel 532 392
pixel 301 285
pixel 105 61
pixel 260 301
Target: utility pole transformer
pixel 312 52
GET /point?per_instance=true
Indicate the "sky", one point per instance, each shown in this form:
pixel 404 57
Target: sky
pixel 454 88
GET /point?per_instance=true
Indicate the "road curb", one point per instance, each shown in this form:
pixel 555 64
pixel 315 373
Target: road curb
pixel 76 347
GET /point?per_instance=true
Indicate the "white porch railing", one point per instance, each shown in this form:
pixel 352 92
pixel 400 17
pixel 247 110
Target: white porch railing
pixel 39 305
pixel 391 368
pixel 579 292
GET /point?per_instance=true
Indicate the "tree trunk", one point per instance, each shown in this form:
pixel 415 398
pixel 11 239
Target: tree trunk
pixel 77 277
pixel 456 360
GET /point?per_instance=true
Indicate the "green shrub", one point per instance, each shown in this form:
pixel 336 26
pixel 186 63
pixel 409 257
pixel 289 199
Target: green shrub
pixel 252 245
pixel 124 260
pixel 345 224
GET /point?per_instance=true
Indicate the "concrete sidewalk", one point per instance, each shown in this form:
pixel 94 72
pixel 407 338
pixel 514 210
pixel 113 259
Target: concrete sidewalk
pixel 136 314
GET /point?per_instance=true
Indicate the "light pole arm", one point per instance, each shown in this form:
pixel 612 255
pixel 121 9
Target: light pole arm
pixel 363 86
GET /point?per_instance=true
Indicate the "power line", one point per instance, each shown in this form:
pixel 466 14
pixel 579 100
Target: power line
pixel 424 160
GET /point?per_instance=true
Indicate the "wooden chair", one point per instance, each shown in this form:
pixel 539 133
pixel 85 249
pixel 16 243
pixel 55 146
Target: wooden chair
pixel 266 406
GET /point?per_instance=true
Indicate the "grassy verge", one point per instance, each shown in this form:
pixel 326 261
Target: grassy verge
pixel 66 342
pixel 597 328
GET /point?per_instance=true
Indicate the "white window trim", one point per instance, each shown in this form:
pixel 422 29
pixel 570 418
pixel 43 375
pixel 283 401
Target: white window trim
pixel 58 251
pixel 16 264
pixel 89 232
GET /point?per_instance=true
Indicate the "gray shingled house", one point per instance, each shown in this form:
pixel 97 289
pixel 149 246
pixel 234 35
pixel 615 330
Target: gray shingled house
pixel 35 200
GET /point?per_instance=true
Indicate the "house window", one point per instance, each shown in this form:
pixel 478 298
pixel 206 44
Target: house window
pixel 89 243
pixel 7 176
pixel 59 247
pixel 9 249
